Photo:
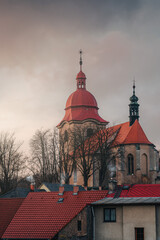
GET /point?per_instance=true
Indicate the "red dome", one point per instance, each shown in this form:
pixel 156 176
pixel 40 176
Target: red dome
pixel 81 97
pixel 81 104
pixel 81 75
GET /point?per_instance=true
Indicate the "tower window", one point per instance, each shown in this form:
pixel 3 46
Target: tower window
pixel 130 164
pixel 89 132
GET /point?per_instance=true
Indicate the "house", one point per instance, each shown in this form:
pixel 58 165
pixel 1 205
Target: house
pixel 54 215
pixel 54 187
pixel 132 214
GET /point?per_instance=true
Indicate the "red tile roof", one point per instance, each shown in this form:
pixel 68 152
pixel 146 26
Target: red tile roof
pixel 8 208
pixel 130 134
pixel 142 190
pixel 41 216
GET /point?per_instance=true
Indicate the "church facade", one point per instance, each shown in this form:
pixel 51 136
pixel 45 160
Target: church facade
pixel 139 162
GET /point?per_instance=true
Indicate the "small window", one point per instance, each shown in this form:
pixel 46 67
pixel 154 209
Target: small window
pixel 139 233
pixel 89 132
pixel 109 215
pixel 130 164
pixel 79 225
pixel 60 200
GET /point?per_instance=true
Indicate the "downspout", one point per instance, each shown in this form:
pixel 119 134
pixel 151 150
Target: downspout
pixel 93 223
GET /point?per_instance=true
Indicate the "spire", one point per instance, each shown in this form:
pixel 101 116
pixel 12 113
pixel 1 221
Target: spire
pixel 81 78
pixel 80 62
pixel 134 83
pixel 133 107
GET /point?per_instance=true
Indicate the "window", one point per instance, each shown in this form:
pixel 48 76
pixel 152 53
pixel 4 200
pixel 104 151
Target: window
pixel 139 233
pixel 130 164
pixel 109 215
pixel 79 227
pixel 144 164
pixel 65 136
pixel 89 132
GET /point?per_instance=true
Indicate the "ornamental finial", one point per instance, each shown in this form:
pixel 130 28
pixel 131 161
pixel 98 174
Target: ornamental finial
pixel 134 86
pixel 80 62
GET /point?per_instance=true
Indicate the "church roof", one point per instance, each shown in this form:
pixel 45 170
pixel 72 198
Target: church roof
pixel 81 104
pixel 130 134
pixel 81 97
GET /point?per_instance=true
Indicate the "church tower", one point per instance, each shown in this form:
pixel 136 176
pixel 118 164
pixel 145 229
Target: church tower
pixel 81 108
pixel 133 107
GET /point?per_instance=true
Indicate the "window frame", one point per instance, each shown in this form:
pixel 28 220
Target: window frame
pixel 110 209
pixel 136 231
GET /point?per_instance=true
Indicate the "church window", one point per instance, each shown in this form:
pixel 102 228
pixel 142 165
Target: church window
pixel 144 164
pixel 130 164
pixel 89 132
pixel 65 136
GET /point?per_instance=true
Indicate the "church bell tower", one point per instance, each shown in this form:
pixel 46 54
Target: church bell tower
pixel 133 107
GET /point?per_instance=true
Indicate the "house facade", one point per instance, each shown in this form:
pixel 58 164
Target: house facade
pixel 134 215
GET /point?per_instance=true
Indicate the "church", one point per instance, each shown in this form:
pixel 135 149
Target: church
pixel 139 162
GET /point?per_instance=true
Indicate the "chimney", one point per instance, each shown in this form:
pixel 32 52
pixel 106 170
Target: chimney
pixel 75 190
pixel 100 188
pixel 61 190
pixel 32 187
pixel 112 185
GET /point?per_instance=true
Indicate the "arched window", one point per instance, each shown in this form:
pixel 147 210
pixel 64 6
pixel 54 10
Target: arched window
pixel 89 132
pixel 144 164
pixel 130 164
pixel 65 136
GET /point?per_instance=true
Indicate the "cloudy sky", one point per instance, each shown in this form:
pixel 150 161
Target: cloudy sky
pixel 39 60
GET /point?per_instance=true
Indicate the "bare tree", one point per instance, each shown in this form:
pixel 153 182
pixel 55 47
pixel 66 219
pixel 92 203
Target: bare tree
pixel 96 155
pixel 66 155
pixel 45 156
pixel 12 161
pixel 84 152
pixel 107 153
